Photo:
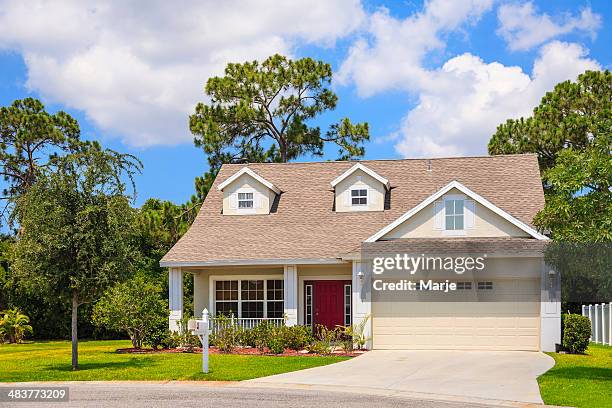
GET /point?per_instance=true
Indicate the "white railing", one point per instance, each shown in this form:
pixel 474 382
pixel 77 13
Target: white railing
pixel 246 323
pixel 600 315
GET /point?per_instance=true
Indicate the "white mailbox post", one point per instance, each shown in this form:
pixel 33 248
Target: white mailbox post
pixel 200 329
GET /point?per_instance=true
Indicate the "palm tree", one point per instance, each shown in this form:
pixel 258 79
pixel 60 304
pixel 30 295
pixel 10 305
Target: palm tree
pixel 14 325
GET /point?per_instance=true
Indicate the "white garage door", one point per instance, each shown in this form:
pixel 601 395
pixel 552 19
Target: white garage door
pixel 504 316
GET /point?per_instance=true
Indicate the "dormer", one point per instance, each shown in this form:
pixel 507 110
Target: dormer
pixel 360 189
pixel 247 193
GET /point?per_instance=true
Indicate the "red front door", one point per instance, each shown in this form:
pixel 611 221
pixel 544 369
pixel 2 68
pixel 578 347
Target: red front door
pixel 328 302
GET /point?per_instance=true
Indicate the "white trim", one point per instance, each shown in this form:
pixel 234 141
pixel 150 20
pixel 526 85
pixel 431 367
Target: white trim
pixel 466 191
pixel 363 168
pixel 246 170
pixel 249 262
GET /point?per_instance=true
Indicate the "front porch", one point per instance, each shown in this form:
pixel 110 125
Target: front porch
pixel 291 294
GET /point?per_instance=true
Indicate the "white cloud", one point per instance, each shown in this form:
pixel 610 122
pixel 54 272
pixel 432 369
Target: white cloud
pixel 460 103
pixel 391 54
pixel 459 118
pixel 137 69
pixel 523 28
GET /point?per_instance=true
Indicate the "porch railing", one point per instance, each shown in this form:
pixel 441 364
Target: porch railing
pixel 214 324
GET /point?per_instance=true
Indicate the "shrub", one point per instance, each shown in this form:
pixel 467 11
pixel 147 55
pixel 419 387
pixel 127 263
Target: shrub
pixel 14 325
pixel 135 306
pixel 297 337
pixel 576 333
pixel 276 343
pixel 225 334
pixel 245 337
pixel 329 338
pixel 261 335
pixel 158 337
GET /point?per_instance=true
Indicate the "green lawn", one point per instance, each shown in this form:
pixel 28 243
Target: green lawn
pixel 579 380
pixel 50 361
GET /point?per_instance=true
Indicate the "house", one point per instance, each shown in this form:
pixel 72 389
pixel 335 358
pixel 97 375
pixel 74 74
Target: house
pixel 286 242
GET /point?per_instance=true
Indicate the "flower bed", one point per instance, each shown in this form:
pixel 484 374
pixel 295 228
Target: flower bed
pixel 240 351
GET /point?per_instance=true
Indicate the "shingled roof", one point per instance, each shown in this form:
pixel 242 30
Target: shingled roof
pixel 304 225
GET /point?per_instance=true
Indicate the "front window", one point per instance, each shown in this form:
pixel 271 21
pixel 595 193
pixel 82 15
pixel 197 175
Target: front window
pixel 453 210
pixel 245 200
pixel 255 299
pixel 359 197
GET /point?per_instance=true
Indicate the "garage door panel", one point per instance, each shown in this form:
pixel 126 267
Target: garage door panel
pixel 506 318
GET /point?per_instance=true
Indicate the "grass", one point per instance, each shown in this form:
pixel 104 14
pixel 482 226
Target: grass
pixel 579 380
pixel 50 361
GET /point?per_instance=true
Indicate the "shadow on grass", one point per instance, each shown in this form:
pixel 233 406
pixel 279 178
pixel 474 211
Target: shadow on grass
pixel 109 365
pixel 583 373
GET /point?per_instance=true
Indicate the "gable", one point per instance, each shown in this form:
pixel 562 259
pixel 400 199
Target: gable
pixel 455 190
pixel 263 197
pixel 359 179
pixel 484 222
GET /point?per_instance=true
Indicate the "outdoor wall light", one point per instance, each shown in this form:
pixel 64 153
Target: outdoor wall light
pixel 551 277
pixel 360 275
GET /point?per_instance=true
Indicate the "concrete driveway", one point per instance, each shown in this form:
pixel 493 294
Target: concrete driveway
pixel 469 376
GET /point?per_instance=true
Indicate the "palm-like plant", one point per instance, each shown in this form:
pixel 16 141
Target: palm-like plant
pixel 14 325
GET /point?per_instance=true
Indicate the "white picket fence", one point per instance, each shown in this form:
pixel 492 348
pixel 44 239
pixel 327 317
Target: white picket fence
pixel 600 315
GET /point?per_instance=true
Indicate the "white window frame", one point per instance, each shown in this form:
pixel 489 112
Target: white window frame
pixel 367 196
pixel 453 197
pixel 212 293
pixel 246 210
pixel 308 304
pixel 348 304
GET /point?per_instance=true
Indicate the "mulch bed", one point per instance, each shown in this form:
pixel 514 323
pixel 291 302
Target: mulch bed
pixel 237 350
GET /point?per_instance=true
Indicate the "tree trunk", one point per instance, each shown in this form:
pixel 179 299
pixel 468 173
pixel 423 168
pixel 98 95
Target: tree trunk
pixel 75 340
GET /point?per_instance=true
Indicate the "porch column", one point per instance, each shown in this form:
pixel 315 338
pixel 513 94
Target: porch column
pixel 291 294
pixel 175 297
pixel 362 306
pixel 550 308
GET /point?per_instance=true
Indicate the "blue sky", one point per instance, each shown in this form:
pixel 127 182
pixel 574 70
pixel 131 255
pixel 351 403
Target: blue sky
pixel 432 79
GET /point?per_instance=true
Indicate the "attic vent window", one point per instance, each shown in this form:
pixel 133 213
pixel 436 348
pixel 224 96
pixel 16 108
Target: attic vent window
pixel 245 200
pixel 359 197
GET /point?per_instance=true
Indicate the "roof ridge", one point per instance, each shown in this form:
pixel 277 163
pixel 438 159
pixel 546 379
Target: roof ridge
pixel 386 160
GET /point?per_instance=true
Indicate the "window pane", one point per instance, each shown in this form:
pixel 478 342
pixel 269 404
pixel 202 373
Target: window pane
pixel 226 290
pixel 449 207
pixel 252 290
pixel 354 193
pixel 450 222
pixel 226 308
pixel 276 310
pixel 458 206
pixel 459 222
pixel 245 204
pixel 252 309
pixel 275 290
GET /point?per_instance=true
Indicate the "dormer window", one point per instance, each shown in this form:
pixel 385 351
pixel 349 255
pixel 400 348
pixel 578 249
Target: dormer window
pixel 359 196
pixel 245 200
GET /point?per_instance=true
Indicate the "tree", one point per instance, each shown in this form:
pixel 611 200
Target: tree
pixel 14 325
pixel 75 223
pixel 269 104
pixel 134 306
pixel 571 132
pixel 30 139
pixel 573 115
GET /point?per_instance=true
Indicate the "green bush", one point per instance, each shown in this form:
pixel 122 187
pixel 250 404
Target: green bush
pixel 297 337
pixel 261 335
pixel 276 343
pixel 245 337
pixel 225 334
pixel 576 333
pixel 135 306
